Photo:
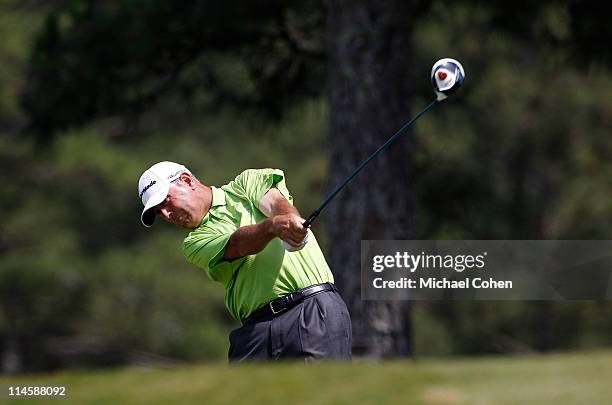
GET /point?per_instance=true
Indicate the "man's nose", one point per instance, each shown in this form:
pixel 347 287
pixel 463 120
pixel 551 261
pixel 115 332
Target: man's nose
pixel 165 213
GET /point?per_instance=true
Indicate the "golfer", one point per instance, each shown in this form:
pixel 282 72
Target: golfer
pixel 282 293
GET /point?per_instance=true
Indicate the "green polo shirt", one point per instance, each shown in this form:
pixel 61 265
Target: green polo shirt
pixel 254 280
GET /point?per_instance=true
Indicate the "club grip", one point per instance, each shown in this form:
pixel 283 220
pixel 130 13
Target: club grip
pixel 311 219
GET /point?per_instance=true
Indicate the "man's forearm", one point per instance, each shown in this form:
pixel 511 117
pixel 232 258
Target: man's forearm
pixel 249 239
pixel 283 207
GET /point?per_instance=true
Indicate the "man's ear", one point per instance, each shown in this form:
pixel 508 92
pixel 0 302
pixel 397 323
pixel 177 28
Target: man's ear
pixel 188 179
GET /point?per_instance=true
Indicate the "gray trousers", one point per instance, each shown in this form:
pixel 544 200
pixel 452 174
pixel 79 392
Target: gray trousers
pixel 317 328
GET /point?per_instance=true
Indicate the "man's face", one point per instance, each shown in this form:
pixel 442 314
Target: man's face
pixel 181 205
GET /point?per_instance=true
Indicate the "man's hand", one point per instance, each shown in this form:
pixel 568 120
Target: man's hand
pixel 274 204
pixel 288 227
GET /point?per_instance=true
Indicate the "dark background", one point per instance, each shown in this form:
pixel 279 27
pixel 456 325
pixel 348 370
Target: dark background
pixel 94 92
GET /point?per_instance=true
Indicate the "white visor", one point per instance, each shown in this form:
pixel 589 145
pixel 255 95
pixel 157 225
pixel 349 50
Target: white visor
pixel 154 185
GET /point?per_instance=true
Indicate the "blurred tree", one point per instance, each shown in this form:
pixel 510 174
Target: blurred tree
pixel 99 58
pixel 370 75
pixel 127 54
pixel 525 156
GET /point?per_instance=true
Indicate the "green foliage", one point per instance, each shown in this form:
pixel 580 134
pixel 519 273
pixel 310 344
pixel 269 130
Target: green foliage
pixel 523 142
pixel 127 54
pixel 157 303
pixel 14 50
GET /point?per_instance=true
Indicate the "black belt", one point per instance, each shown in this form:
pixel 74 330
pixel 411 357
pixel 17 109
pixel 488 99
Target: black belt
pixel 288 301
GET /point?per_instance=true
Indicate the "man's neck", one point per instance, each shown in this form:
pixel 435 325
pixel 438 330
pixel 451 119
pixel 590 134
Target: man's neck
pixel 206 200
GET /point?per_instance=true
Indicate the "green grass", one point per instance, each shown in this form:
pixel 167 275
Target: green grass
pixel 575 378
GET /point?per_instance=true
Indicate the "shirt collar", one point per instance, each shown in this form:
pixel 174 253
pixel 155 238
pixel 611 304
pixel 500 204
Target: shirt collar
pixel 218 197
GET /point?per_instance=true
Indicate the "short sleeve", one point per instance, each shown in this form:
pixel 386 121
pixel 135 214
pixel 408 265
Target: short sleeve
pixel 252 184
pixel 205 249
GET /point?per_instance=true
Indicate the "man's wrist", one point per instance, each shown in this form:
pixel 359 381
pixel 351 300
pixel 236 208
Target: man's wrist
pixel 268 228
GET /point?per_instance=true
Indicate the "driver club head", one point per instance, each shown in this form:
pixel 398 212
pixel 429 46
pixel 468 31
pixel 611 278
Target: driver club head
pixel 447 75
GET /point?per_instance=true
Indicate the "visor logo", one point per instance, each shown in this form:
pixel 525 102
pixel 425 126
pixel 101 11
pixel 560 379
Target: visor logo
pixel 173 175
pixel 148 186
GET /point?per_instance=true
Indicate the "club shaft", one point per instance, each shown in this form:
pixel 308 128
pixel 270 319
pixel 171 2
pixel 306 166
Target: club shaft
pixel 407 125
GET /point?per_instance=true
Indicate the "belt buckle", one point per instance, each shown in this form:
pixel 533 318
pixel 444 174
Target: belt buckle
pixel 285 299
pixel 274 312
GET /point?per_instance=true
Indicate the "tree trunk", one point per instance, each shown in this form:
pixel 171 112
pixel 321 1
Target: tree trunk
pixel 369 48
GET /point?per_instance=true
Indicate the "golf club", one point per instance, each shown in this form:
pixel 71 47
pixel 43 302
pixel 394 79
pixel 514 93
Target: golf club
pixel 447 75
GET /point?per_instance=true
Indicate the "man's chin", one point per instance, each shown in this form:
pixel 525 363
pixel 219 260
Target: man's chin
pixel 187 225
